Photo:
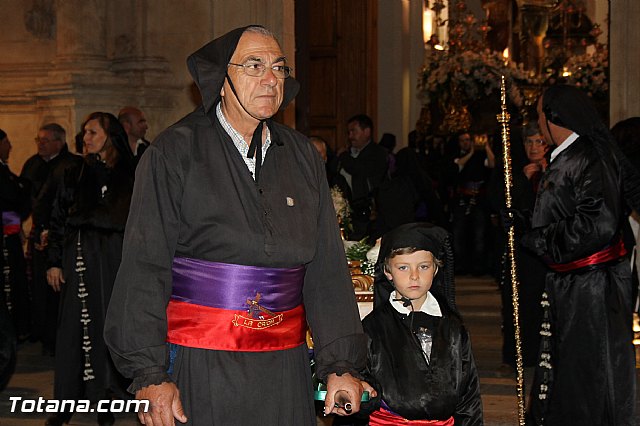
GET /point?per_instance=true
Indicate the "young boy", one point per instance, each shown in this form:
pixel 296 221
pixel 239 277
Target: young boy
pixel 419 351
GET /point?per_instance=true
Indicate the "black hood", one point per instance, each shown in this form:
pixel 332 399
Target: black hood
pixel 422 236
pixel 208 67
pixel 573 110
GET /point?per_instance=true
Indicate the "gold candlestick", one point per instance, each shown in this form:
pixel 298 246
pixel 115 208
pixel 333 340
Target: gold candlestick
pixel 503 119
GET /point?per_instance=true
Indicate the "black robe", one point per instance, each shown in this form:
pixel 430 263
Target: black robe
pixel 89 213
pixel 14 197
pixel 195 197
pixel 531 272
pixel 579 212
pixel 446 386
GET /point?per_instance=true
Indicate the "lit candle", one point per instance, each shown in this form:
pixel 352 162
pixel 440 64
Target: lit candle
pixel 505 55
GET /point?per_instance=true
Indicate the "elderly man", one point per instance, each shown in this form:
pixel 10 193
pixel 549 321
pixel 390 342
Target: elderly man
pixel 585 374
pixel 231 248
pixel 135 124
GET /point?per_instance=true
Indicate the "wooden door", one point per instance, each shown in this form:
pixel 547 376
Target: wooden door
pixel 336 61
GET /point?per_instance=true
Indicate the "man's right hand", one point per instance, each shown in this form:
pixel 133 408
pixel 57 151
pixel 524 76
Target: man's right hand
pixel 55 278
pixel 164 405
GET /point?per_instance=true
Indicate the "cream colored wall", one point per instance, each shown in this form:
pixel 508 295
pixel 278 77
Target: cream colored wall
pixel 624 60
pixel 400 57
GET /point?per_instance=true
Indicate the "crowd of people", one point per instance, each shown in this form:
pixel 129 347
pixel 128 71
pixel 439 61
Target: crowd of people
pixel 200 279
pixel 58 289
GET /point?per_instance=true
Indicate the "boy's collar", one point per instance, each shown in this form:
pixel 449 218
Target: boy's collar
pixel 430 305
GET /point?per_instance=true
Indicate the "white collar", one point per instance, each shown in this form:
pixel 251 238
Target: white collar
pixel 564 145
pixel 430 305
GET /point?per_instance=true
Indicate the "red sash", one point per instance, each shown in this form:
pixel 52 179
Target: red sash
pixel 609 253
pixel 198 326
pixel 383 417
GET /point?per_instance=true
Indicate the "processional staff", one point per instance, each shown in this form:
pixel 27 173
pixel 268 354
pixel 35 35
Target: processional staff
pixel 503 119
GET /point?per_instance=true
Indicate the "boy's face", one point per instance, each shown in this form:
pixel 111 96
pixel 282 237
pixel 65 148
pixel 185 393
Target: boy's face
pixel 412 275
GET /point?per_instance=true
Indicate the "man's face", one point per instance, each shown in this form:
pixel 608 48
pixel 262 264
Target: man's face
pixel 464 141
pixel 137 126
pixel 358 137
pixel 5 148
pixel 542 123
pixel 48 146
pixel 261 96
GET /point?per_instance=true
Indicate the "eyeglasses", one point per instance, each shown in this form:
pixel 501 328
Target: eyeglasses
pixel 43 140
pixel 535 142
pixel 257 69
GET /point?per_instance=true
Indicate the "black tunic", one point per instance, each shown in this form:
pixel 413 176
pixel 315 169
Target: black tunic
pixel 89 213
pixel 446 386
pixel 578 212
pixel 195 197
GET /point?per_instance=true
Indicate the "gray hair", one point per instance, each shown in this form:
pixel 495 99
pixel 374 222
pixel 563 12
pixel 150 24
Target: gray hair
pixel 57 130
pixel 530 129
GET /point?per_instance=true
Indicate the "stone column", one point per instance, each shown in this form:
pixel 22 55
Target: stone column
pixel 624 61
pixel 400 56
pixel 81 34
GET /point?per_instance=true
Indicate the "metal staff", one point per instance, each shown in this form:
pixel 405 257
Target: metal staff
pixel 503 119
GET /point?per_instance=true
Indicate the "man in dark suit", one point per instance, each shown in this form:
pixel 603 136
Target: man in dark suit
pixel 364 166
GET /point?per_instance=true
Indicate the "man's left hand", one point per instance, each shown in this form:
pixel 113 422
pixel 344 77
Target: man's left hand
pixel 352 387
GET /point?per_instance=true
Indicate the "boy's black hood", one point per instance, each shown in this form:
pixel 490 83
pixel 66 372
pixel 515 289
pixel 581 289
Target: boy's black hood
pixel 422 236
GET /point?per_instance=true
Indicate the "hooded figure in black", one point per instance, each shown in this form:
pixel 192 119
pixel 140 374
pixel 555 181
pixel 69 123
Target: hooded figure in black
pixel 414 381
pixel 585 374
pixel 203 195
pixel 85 248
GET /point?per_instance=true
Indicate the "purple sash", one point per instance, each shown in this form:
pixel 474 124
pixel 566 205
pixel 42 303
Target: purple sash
pixel 228 286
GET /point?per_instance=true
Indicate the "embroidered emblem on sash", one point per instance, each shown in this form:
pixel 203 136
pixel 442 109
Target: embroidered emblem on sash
pixel 258 317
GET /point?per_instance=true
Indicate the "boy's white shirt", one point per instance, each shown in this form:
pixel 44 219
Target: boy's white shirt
pixel 430 305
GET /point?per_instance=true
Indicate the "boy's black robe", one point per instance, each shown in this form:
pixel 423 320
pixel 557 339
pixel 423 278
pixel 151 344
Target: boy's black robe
pixel 447 386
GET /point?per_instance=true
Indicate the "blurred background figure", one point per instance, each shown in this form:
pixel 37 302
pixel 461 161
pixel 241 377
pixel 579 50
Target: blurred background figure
pixel 364 165
pixel 14 203
pixel 44 171
pixel 526 180
pixel 627 135
pixel 135 124
pixel 474 162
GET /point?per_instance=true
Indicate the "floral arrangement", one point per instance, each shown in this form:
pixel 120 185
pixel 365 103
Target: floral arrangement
pixel 358 252
pixel 467 76
pixel 589 72
pixel 342 208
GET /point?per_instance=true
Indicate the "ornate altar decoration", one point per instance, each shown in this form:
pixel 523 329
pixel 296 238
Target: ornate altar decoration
pixel 456 80
pixel 533 43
